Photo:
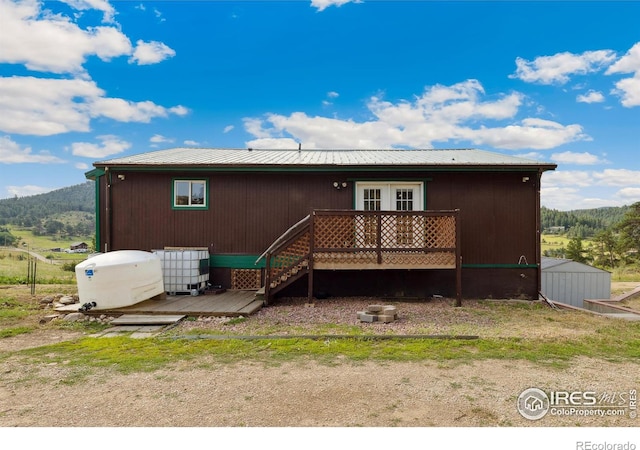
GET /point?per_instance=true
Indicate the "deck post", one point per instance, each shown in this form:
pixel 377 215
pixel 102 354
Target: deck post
pixel 311 252
pixel 458 261
pixel 267 279
pixel 379 237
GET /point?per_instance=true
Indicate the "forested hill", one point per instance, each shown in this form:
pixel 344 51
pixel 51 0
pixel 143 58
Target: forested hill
pixel 33 210
pixel 582 222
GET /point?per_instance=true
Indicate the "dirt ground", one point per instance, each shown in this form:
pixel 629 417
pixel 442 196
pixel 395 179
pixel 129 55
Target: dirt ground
pixel 304 393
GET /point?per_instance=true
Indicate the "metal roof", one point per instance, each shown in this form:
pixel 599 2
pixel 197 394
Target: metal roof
pixel 216 157
pixel 566 265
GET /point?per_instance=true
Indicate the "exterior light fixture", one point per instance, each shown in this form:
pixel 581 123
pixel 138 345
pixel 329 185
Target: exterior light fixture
pixel 339 184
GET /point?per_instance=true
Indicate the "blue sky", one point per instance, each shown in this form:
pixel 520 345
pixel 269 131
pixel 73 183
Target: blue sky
pixel 88 80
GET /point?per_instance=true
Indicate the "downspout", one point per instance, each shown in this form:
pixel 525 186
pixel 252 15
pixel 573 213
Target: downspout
pixel 538 234
pixel 98 229
pixel 107 219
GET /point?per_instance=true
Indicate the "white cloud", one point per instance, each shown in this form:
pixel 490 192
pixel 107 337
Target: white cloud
pixel 110 145
pixel 321 5
pixel 151 53
pixel 590 97
pixel 191 143
pixel 569 190
pixel 629 88
pixel 47 42
pixel 440 114
pixel 557 68
pixel 228 128
pixel 53 43
pixel 275 144
pixel 573 178
pixel 81 166
pixel 562 199
pixel 576 158
pixel 12 153
pixel 100 5
pixel 44 107
pixel 628 63
pixel 629 194
pixel 159 139
pixel 618 177
pixel 179 110
pixel 27 190
pixel 332 94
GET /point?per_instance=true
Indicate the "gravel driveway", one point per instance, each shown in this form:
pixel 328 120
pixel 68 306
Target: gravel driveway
pixel 304 392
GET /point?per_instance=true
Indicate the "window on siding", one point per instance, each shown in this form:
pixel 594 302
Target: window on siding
pixel 190 194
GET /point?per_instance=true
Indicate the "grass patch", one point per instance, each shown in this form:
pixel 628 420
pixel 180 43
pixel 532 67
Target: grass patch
pixel 10 332
pixel 128 355
pixel 14 267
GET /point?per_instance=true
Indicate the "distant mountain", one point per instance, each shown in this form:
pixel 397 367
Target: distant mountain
pixel 582 222
pixel 34 210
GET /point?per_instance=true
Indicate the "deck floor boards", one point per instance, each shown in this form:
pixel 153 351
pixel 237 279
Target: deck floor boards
pixel 229 303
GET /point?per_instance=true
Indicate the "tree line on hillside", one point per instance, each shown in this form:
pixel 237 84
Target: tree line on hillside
pixel 31 210
pixel 582 223
pixel 614 235
pixel 44 213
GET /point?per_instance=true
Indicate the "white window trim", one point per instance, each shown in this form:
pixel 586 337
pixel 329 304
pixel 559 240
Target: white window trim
pixel 387 202
pixel 205 202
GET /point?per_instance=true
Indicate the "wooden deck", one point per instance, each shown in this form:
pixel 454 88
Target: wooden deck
pixel 230 303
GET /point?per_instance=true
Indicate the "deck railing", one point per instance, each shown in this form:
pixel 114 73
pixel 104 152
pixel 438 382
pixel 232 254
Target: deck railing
pixel 348 239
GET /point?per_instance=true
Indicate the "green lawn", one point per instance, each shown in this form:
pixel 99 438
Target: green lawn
pixel 556 241
pixel 43 244
pixel 15 265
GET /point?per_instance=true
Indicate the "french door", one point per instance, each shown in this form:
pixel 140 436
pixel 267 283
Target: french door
pixel 389 196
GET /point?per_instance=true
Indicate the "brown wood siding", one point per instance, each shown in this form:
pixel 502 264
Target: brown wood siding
pixel 246 211
pixel 497 214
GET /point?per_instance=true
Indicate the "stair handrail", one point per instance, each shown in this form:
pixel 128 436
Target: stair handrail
pixel 288 237
pixel 284 237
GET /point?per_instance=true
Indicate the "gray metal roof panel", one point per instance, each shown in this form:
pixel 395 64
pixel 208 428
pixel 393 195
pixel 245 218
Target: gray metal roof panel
pixel 262 157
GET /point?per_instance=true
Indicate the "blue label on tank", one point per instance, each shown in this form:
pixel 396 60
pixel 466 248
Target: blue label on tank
pixel 88 272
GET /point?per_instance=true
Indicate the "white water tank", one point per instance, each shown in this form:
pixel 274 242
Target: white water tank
pixel 119 278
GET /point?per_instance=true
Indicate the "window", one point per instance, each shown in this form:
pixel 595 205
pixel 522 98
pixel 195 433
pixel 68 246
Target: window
pixel 190 194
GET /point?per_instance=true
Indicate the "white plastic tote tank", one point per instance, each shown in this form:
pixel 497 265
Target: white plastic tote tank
pixel 118 279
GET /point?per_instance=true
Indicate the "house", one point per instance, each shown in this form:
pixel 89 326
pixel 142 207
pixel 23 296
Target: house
pixel 411 223
pixel 78 247
pixel 571 282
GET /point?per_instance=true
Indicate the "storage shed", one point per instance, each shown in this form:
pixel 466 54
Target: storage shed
pixel 571 282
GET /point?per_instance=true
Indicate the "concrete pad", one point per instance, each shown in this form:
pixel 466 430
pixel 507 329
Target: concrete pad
pixel 147 319
pixel 625 316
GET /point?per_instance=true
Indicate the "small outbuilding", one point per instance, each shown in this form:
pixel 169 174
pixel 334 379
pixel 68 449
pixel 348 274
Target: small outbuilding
pixel 571 282
pixel 79 246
